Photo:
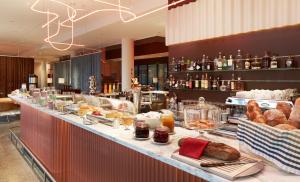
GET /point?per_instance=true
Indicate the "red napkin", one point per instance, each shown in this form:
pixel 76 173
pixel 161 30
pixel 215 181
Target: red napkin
pixel 192 147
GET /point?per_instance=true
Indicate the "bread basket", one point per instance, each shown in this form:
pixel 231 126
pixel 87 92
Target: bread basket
pixel 280 147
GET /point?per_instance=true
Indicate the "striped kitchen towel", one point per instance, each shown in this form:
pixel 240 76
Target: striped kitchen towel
pixel 278 146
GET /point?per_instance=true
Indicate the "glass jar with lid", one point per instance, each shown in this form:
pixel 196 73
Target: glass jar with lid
pixel 202 116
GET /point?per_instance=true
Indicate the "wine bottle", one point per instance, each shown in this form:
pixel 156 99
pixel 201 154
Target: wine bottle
pixel 265 64
pixel 230 63
pixel 274 63
pixel 203 63
pixel 247 62
pixel 232 83
pixel 197 82
pixel 238 61
pixel 220 61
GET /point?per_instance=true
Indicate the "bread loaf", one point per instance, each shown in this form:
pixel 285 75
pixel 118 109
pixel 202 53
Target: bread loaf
pixel 252 105
pixel 285 108
pixel 260 119
pixel 297 102
pixel 295 117
pixel 274 117
pixel 219 151
pixel 286 127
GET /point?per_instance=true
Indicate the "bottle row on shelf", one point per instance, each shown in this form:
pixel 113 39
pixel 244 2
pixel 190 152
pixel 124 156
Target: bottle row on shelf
pixel 206 82
pixel 109 88
pixel 237 63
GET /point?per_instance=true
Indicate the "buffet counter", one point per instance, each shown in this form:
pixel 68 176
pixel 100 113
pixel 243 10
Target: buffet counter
pixel 72 151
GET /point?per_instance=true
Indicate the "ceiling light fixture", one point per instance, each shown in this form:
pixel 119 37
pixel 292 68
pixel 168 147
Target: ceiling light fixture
pixel 72 18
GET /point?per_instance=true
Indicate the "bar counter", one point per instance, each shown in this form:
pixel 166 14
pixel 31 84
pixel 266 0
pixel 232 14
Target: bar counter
pixel 72 151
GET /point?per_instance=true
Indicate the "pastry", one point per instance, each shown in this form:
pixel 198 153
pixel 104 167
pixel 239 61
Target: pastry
pixel 285 108
pixel 219 151
pixel 287 127
pixel 260 119
pixel 274 117
pixel 297 102
pixel 252 104
pixel 295 117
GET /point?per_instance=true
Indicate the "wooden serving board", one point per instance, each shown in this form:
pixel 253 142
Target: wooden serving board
pixel 229 172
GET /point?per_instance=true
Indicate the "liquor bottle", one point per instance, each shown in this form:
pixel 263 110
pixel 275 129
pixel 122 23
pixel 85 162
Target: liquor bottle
pixel 196 82
pixel 170 81
pixel 176 84
pixel 256 64
pixel 218 82
pixel 239 84
pixel 238 61
pixel 195 65
pixel 228 86
pixel 208 64
pixel 202 82
pixel 191 82
pixel 198 65
pixel 187 83
pixel 265 64
pixel 189 66
pixel 203 64
pixel 289 63
pixel 247 62
pixel 183 65
pixel 174 65
pixel 274 63
pixel 220 61
pixel 223 86
pixel 230 63
pixel 232 83
pixel 206 82
pixel 214 85
pixel 224 63
pixel 215 63
pixel 210 83
pixel 178 67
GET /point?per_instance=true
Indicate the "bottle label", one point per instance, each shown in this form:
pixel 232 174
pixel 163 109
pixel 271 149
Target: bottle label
pixel 196 83
pixel 208 67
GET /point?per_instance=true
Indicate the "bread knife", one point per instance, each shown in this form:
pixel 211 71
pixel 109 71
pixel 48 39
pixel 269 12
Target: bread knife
pixel 219 164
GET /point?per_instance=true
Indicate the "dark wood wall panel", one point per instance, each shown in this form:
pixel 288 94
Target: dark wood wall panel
pixel 2 77
pixel 282 41
pixel 14 71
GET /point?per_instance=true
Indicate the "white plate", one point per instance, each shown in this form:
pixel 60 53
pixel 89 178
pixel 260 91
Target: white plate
pixel 141 139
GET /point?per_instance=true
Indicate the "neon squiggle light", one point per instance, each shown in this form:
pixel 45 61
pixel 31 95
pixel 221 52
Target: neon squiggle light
pixel 72 18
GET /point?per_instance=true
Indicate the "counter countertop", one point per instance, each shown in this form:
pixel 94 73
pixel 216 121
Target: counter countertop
pixel 163 153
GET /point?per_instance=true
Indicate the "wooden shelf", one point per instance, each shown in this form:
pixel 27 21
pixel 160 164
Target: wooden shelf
pixel 201 90
pixel 212 71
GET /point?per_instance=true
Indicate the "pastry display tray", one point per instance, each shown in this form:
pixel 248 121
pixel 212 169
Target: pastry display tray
pixel 100 119
pixel 229 172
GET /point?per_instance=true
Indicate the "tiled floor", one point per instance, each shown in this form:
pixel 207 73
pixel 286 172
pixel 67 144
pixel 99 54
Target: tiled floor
pixel 13 168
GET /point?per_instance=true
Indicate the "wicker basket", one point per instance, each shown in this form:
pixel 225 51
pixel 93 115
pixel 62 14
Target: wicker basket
pixel 282 148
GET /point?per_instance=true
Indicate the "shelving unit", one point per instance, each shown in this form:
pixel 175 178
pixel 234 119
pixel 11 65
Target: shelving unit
pixel 280 78
pixel 219 71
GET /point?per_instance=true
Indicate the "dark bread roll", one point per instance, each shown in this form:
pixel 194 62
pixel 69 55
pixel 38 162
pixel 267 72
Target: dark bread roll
pixel 274 117
pixel 219 151
pixel 285 108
